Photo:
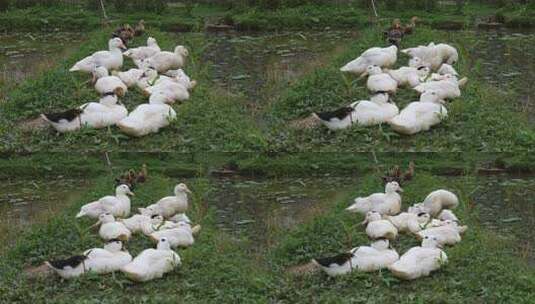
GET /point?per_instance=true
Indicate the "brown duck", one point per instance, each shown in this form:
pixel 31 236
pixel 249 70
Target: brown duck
pixel 396 32
pixel 395 174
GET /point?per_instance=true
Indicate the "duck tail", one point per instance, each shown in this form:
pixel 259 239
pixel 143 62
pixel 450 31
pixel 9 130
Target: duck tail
pixel 74 68
pixel 80 214
pixel 196 229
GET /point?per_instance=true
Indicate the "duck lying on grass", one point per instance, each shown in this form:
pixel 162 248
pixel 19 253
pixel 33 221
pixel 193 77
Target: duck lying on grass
pixel 106 84
pixel 409 222
pixel 420 115
pixel 378 81
pixel 381 57
pixel 378 228
pixel 388 203
pixel 107 112
pixel 111 229
pixel 364 258
pixel 164 61
pixel 144 52
pixel 379 109
pixel 419 261
pixel 111 258
pixel 171 205
pixel 151 263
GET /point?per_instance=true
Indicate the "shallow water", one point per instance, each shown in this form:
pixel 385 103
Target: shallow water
pixel 249 63
pixel 508 62
pixel 23 55
pixel 27 201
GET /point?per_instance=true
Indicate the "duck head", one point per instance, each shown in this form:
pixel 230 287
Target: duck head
pixel 393 187
pixel 381 244
pixel 371 216
pixel 381 97
pixel 151 42
pixel 423 217
pixel 116 43
pixel 430 242
pixel 181 50
pixel 163 244
pixel 104 218
pixel 371 70
pixel 123 190
pixel 181 188
pixel 431 96
pixel 156 219
pixel 423 71
pixel 114 245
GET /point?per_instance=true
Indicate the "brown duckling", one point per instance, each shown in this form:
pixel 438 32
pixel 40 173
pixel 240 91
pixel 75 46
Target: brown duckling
pixel 140 28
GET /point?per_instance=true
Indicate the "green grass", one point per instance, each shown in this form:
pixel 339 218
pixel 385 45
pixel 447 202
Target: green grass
pixel 211 120
pixel 219 268
pixel 194 17
pixel 483 119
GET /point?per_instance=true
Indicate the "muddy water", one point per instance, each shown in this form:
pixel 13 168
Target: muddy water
pixel 507 207
pixel 255 208
pixel 27 201
pixel 25 54
pixel 252 63
pixel 508 62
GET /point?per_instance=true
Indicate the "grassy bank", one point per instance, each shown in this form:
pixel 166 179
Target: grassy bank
pixel 220 268
pixel 189 165
pixel 483 119
pixel 195 17
pixel 211 120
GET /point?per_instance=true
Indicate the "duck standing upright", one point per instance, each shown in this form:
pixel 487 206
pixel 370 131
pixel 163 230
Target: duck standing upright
pixel 171 205
pixel 165 61
pixel 118 205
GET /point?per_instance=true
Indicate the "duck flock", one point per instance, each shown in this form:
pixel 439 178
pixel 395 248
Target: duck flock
pixel 158 75
pixel 431 221
pixel 164 222
pixel 429 72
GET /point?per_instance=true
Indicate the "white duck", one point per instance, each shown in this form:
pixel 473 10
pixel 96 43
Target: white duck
pixel 379 109
pixel 106 84
pixel 382 57
pixel 409 76
pixel 170 88
pixel 447 214
pixel 181 77
pixel 363 258
pixel 157 224
pixel 434 55
pixel 180 217
pixel 106 112
pixel 420 115
pixel 148 118
pixel 118 205
pixel 447 69
pixel 409 222
pixel 99 260
pixel 111 229
pixel 171 205
pixel 152 263
pixel 388 203
pixel 446 86
pixel 131 77
pixel 144 52
pixel 378 81
pixel 147 79
pixel 377 228
pixel 448 233
pixel 419 261
pixel 111 60
pixel 435 201
pixel 165 61
pixel 136 223
pixel 182 236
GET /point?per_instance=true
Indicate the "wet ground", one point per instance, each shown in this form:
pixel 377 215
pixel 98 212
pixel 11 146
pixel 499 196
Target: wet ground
pixel 27 201
pixel 258 64
pixel 507 61
pixel 26 54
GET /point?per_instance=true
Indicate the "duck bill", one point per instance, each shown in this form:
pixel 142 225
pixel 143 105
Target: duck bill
pixel 95 225
pixel 400 190
pixel 130 193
